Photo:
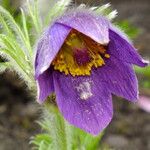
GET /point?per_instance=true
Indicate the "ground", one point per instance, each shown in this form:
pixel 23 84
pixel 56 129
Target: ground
pixel 129 130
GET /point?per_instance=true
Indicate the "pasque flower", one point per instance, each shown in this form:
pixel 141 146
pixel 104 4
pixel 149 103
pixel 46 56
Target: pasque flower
pixel 84 59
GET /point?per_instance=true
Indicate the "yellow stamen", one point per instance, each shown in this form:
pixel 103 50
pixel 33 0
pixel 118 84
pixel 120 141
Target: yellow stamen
pixel 76 42
pixel 107 55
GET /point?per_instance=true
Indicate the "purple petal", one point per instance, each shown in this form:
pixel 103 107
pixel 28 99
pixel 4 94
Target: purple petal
pixel 120 32
pixel 120 48
pixel 88 24
pixel 120 78
pixel 83 101
pixel 144 103
pixel 48 47
pixel 45 85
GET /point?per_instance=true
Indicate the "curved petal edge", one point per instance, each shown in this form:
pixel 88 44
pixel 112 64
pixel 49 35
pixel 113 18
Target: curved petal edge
pixel 48 46
pixel 84 102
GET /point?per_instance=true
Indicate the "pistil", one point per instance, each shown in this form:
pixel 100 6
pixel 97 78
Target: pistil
pixel 79 54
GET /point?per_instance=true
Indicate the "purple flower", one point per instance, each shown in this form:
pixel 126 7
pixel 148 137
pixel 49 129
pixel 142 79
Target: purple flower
pixel 84 59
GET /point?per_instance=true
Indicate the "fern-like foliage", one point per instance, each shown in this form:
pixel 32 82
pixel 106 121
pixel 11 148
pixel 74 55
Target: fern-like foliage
pixel 105 10
pixel 14 47
pixel 41 142
pixel 34 13
pixel 59 135
pixel 57 10
pixel 15 40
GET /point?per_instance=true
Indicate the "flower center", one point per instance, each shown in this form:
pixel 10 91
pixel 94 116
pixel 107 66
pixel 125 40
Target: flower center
pixel 79 54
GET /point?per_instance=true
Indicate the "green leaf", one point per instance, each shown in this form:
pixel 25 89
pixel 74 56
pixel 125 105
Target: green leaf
pixel 128 28
pixel 41 138
pixel 14 30
pixel 144 71
pixel 146 84
pixel 63 135
pixel 57 127
pixel 102 8
pixel 5 27
pixel 71 141
pixel 10 43
pixel 85 140
pixel 26 33
pixel 106 11
pixel 58 9
pixel 112 15
pixel 7 4
pixel 32 6
pixel 24 74
pixel 44 124
pixel 12 49
pixel 92 143
pixel 15 46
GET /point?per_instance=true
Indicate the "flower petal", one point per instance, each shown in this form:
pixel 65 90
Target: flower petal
pixel 45 85
pixel 120 78
pixel 83 101
pixel 48 46
pixel 144 103
pixel 88 24
pixel 120 32
pixel 120 48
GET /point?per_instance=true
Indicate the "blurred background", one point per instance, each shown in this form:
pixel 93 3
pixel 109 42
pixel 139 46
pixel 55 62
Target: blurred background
pixel 130 128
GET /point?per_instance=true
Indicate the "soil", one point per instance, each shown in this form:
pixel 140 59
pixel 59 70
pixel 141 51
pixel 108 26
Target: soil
pixel 18 113
pixel 130 128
